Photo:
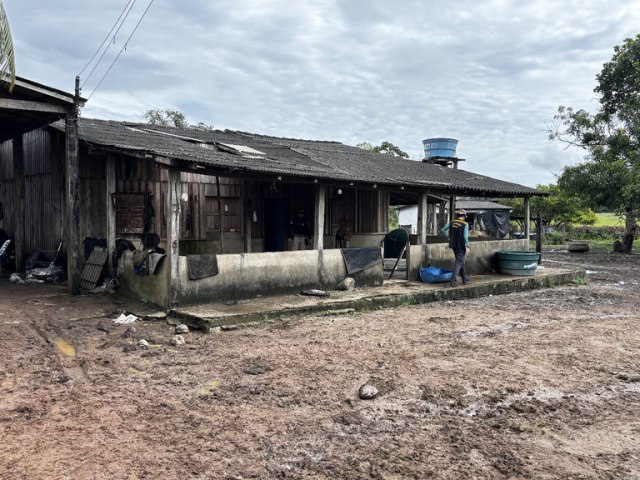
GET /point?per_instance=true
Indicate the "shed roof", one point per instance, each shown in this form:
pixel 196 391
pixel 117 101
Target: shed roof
pixel 238 152
pixel 481 205
pixel 30 106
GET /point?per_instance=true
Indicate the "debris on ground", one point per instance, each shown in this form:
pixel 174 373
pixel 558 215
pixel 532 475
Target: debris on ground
pixel 16 278
pixel 125 319
pixel 314 293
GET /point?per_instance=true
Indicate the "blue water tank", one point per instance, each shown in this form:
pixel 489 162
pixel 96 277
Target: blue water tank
pixel 439 147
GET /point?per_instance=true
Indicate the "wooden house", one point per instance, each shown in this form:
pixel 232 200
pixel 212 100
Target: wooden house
pixel 224 193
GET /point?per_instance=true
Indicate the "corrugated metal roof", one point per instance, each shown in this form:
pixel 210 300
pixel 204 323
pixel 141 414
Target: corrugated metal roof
pixel 324 160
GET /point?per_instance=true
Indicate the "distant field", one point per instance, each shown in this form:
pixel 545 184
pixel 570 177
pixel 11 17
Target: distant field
pixel 608 220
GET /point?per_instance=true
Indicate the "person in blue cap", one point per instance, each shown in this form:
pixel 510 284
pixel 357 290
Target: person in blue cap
pixel 458 234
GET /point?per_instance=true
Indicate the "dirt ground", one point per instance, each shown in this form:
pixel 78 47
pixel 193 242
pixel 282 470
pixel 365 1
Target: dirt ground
pixel 541 384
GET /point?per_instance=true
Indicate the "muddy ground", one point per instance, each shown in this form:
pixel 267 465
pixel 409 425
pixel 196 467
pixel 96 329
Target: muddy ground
pixel 542 384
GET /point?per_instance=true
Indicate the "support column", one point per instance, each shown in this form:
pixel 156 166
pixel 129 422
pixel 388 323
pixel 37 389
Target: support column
pixel 220 214
pixel 423 219
pixel 247 214
pixel 18 202
pixel 318 221
pixel 527 217
pixel 173 237
pixel 110 175
pixel 433 229
pixel 452 208
pixel 74 256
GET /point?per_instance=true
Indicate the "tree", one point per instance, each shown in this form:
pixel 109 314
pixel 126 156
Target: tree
pixel 7 53
pixel 610 177
pixel 558 209
pixel 385 147
pixel 172 118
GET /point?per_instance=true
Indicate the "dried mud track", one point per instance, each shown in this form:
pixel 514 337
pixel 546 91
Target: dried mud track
pixel 537 384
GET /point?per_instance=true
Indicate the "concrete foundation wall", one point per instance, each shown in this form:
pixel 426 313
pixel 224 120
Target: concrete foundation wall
pixel 480 259
pixel 248 275
pixel 146 288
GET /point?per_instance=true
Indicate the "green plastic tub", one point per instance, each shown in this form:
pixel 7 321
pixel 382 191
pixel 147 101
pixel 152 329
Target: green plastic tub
pixel 518 263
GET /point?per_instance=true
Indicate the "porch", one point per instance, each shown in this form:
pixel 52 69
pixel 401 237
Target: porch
pixel 229 315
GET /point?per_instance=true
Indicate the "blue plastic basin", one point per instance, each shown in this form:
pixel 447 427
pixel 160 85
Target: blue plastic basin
pixel 435 275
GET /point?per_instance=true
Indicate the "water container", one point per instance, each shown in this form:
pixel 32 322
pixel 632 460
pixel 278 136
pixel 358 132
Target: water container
pixel 518 263
pixel 440 147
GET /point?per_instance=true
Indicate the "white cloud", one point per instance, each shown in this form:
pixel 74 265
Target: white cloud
pixel 490 73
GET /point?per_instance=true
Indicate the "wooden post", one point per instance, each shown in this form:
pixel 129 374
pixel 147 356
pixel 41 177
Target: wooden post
pixel 318 223
pixel 220 214
pixel 540 237
pixel 18 201
pixel 434 219
pixel 452 208
pixel 247 214
pixel 74 256
pixel 423 209
pixel 110 175
pixel 423 219
pixel 527 218
pixel 173 237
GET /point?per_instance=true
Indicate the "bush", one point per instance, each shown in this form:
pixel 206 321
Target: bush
pixel 595 233
pixel 554 238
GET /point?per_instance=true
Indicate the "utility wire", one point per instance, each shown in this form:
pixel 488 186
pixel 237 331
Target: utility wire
pixel 124 47
pixel 107 37
pixel 110 43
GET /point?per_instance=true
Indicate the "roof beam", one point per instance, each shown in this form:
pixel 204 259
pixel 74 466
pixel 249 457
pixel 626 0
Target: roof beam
pixel 32 106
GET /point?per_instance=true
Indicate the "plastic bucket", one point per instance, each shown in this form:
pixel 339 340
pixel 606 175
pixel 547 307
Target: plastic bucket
pixel 439 147
pixel 518 263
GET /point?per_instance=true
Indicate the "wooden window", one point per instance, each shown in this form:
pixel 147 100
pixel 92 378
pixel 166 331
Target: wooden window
pixel 130 211
pixel 231 214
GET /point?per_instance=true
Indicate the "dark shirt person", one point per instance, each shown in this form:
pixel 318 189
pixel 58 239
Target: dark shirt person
pixel 458 234
pixel 300 232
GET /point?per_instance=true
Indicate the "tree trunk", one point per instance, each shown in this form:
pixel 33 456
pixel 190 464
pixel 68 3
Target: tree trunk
pixel 629 229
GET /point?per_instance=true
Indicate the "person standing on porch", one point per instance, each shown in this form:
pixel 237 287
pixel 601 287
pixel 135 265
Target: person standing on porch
pixel 458 234
pixel 343 235
pixel 300 232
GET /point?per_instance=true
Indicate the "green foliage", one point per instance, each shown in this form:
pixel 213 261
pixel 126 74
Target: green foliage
pixel 610 178
pixel 554 238
pixel 172 118
pixel 558 209
pixel 393 222
pixel 7 52
pixel 595 233
pixel 385 147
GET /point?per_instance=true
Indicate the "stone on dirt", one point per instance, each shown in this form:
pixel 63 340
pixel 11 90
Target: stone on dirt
pixel 629 377
pixel 143 343
pixel 177 340
pixel 182 328
pixel 347 284
pixel 367 392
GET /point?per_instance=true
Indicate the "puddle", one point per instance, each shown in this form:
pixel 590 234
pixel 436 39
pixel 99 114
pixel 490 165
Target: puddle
pixel 65 347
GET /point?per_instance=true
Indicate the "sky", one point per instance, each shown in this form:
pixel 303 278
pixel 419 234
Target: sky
pixel 490 73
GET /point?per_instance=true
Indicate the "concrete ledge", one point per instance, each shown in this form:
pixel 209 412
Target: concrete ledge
pixel 393 294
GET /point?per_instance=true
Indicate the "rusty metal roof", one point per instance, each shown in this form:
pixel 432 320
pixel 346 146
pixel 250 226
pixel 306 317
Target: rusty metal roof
pixel 239 152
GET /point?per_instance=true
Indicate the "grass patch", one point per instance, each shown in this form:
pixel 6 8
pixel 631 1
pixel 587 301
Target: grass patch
pixel 608 220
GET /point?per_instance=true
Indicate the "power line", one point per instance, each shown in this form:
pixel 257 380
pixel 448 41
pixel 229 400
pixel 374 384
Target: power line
pixel 107 37
pixel 124 47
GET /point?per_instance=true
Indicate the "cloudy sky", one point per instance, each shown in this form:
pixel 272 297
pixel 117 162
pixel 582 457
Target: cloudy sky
pixel 490 73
